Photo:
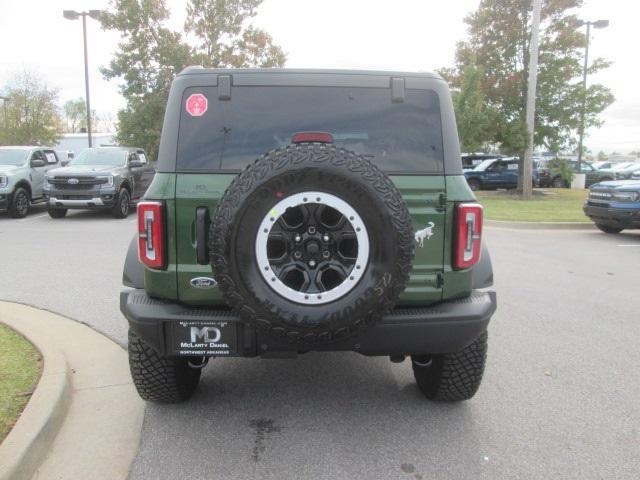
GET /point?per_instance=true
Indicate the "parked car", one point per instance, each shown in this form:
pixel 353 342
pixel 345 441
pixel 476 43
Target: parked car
pixel 549 173
pixel 99 178
pixel 22 173
pixel 602 165
pixel 497 173
pixel 614 206
pixel 304 219
pixel 472 160
pixel 626 172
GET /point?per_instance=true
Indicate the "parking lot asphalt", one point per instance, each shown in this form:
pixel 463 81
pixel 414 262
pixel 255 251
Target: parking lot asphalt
pixel 559 398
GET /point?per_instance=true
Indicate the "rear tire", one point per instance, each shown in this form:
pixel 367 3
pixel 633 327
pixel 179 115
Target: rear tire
pixel 121 208
pixel 451 377
pixel 157 379
pixel 20 203
pixel 57 212
pixel 608 229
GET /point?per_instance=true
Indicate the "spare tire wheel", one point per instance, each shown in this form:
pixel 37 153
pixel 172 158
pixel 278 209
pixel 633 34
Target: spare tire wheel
pixel 312 242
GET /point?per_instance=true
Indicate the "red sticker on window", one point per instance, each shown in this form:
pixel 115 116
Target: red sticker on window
pixel 197 105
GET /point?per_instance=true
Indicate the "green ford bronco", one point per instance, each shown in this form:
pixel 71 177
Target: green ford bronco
pixel 304 210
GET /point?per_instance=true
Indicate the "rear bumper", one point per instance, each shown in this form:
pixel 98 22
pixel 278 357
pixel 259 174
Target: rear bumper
pixel 614 217
pixel 442 328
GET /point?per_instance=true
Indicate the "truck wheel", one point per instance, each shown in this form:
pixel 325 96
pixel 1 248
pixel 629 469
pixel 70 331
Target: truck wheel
pixel 558 182
pixel 157 379
pixel 296 248
pixel 608 229
pixel 452 376
pixel 20 202
pixel 474 184
pixel 57 212
pixel 121 208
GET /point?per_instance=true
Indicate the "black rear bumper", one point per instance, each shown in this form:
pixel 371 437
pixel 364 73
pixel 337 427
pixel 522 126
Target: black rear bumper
pixel 442 328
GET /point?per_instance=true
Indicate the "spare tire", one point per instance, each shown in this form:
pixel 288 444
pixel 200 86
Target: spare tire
pixel 311 242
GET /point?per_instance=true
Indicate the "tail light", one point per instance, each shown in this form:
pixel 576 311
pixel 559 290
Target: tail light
pixel 151 234
pixel 468 236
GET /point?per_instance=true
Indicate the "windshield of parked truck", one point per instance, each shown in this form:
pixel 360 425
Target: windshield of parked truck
pixel 13 156
pixel 100 156
pixel 484 165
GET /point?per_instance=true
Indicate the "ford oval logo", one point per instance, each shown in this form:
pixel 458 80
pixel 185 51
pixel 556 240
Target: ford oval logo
pixel 73 181
pixel 203 282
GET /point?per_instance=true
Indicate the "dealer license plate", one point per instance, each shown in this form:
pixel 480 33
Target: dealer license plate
pixel 197 338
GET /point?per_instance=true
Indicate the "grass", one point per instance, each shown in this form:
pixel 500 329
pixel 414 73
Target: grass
pixel 548 205
pixel 20 367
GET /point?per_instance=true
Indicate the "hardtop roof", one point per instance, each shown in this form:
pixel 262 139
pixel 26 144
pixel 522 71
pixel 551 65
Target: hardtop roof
pixel 199 70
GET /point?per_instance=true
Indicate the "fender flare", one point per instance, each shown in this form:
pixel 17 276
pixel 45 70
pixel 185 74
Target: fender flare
pixel 482 272
pixel 133 272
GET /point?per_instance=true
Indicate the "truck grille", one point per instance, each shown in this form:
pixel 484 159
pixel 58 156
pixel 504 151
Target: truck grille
pixel 599 195
pixel 81 181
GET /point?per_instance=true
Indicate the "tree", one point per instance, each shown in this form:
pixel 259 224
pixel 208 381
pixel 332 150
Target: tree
pixel 75 112
pixel 147 59
pixel 498 43
pixel 150 55
pixel 473 116
pixel 602 156
pixel 31 112
pixel 225 39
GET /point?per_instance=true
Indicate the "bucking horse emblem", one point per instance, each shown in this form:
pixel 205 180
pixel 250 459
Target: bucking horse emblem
pixel 424 234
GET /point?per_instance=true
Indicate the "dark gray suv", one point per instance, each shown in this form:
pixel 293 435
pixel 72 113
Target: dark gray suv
pixel 100 178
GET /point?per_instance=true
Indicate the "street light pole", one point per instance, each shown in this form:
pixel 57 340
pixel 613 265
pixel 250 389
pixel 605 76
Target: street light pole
pixel 86 77
pixel 73 15
pixel 596 24
pixel 527 187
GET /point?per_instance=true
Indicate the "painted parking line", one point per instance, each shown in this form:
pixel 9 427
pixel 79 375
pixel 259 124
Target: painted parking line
pixel 636 245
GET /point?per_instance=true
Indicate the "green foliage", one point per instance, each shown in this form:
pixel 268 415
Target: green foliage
pixel 498 44
pixel 565 170
pixel 20 367
pixel 473 116
pixel 32 116
pixel 150 55
pixel 224 37
pixel 75 112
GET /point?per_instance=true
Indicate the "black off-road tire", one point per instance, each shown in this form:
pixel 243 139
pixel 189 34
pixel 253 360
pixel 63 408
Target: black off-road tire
pixel 157 379
pixel 122 207
pixel 474 184
pixel 608 229
pixel 20 202
pixel 289 171
pixel 57 212
pixel 451 377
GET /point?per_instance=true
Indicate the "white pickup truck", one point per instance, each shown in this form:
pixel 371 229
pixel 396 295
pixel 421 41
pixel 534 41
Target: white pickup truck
pixel 22 174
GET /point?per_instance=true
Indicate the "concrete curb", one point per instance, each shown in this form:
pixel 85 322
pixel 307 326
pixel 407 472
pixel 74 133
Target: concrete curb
pixel 540 225
pixel 28 443
pixel 94 429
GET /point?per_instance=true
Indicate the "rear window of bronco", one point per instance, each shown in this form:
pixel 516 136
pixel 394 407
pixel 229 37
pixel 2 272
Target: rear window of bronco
pixel 403 137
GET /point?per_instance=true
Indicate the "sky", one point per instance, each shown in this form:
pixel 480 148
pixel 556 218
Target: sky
pixel 411 35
